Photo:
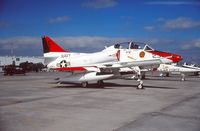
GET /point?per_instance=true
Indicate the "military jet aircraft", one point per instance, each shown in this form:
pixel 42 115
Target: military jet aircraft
pixel 192 66
pixel 102 65
pixel 175 69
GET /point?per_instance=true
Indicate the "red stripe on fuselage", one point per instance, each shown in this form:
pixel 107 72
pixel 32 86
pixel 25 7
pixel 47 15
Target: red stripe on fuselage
pixel 71 69
pixel 80 68
pixel 160 53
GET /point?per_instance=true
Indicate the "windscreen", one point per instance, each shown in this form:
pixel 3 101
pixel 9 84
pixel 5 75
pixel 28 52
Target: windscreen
pixel 146 47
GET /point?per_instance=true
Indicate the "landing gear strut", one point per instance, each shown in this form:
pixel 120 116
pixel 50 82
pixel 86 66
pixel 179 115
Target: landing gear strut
pixel 182 77
pixel 100 83
pixel 143 76
pixel 161 74
pixel 167 74
pixel 140 84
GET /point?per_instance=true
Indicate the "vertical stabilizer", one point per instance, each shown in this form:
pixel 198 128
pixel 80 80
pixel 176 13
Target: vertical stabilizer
pixel 51 46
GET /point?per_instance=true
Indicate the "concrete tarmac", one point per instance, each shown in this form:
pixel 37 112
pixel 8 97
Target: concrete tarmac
pixel 34 102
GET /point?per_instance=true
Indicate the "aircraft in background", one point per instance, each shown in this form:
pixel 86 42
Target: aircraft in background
pixel 106 64
pixel 175 69
pixel 192 66
pixel 165 69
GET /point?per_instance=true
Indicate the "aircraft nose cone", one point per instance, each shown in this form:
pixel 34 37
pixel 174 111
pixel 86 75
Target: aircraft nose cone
pixel 176 58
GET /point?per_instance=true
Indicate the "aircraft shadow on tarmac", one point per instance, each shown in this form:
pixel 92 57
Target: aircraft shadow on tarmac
pixel 135 86
pixel 108 85
pixel 168 79
pixel 162 79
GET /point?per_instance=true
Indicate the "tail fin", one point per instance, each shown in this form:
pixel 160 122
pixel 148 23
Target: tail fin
pixel 51 46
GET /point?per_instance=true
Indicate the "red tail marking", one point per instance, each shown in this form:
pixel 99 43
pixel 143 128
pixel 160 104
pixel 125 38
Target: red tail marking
pixel 53 46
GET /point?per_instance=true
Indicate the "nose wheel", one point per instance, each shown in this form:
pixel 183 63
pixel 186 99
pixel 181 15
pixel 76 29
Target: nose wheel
pixel 140 84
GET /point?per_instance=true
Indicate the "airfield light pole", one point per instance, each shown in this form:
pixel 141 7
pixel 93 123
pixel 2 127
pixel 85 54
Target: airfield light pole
pixel 12 53
pixel 11 49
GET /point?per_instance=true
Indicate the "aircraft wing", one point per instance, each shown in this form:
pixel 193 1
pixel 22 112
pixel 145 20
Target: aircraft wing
pixel 130 63
pixel 111 65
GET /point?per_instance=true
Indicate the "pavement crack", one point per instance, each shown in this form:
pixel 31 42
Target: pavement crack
pixel 178 116
pixel 44 98
pixel 186 99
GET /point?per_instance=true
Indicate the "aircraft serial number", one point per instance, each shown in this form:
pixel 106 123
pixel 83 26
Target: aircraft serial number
pixel 65 55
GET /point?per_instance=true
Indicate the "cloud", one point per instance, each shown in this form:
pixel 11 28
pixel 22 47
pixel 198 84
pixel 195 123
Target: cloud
pixel 160 42
pixel 149 28
pixel 94 42
pixel 22 45
pixel 59 19
pixel 197 43
pixel 28 45
pixel 182 44
pixel 180 23
pixel 86 43
pixel 97 4
pixel 173 3
pixel 191 44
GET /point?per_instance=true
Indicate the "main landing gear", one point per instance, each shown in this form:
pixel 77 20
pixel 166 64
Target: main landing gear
pixel 84 84
pixel 100 84
pixel 167 74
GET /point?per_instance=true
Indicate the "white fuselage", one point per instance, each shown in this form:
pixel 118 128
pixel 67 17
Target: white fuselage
pixel 192 67
pixel 108 56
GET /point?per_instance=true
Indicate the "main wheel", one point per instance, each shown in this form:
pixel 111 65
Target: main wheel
pixel 183 79
pixel 143 77
pixel 161 74
pixel 196 73
pixel 84 84
pixel 100 83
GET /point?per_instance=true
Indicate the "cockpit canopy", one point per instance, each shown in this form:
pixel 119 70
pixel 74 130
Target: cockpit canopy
pixel 132 45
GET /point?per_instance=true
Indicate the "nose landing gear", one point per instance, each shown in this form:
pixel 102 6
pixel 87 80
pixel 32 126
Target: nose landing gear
pixel 140 85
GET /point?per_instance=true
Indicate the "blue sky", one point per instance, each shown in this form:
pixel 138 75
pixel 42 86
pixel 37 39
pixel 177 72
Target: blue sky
pixel 89 25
